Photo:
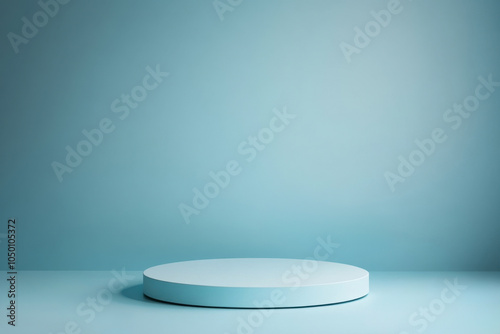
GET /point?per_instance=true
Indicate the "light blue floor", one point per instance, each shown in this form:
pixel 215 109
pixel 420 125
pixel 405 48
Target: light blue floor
pixel 399 302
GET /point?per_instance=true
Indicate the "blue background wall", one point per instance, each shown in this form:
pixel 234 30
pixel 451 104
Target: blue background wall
pixel 322 175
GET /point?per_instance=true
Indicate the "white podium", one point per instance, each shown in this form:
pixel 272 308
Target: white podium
pixel 255 283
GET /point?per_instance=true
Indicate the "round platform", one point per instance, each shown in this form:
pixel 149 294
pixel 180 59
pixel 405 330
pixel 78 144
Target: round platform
pixel 255 283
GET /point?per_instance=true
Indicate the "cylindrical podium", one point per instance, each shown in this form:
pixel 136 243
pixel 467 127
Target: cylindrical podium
pixel 255 283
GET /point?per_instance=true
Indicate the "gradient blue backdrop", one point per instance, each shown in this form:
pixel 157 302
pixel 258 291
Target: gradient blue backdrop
pixel 323 175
